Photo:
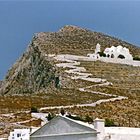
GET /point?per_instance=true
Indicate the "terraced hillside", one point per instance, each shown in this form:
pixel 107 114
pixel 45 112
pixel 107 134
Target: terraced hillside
pixel 54 72
pixel 119 82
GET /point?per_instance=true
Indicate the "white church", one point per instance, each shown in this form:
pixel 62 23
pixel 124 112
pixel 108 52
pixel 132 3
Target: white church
pixel 112 52
pixel 115 52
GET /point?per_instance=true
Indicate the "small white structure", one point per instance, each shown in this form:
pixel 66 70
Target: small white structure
pixel 98 48
pixel 115 52
pixel 19 134
pixel 41 116
pixel 96 54
pixel 99 125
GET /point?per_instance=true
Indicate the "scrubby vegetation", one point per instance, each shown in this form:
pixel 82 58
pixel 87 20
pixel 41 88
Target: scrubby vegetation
pixel 83 118
pixel 102 54
pixel 34 110
pixel 109 122
pixel 136 58
pixel 50 116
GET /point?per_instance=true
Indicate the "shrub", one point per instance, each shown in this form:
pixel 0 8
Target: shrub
pixel 109 122
pixel 57 81
pixel 50 116
pixel 88 119
pixel 75 117
pixel 102 54
pixel 62 111
pixel 34 110
pixel 136 58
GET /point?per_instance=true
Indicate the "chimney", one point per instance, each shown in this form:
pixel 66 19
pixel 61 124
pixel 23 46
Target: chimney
pixel 99 125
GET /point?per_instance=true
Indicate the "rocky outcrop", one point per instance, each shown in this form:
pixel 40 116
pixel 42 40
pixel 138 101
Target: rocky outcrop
pixel 32 73
pixel 0 83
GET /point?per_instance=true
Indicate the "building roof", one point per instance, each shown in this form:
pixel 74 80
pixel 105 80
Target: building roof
pixel 61 125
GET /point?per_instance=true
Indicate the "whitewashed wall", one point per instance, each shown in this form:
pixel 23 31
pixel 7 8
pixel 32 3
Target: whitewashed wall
pixel 122 133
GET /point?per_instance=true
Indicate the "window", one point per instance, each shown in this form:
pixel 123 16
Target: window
pixel 18 135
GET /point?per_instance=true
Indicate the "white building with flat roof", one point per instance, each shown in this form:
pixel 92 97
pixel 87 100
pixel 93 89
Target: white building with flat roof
pixel 19 134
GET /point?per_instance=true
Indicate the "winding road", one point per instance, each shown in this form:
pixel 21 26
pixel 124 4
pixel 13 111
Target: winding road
pixel 71 62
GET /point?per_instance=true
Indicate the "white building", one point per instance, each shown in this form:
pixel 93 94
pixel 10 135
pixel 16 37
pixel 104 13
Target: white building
pixel 19 134
pixel 63 128
pixel 95 55
pixel 115 52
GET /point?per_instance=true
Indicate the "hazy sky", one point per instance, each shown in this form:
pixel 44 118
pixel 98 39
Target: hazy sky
pixel 20 19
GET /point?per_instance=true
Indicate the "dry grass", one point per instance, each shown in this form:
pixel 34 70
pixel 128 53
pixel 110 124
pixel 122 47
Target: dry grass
pixel 123 113
pixel 123 77
pixel 125 81
pixel 60 97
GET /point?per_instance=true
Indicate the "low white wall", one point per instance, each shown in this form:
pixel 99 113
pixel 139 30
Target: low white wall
pixel 124 137
pixel 122 133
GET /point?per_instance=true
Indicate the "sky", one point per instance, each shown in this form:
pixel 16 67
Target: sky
pixel 20 19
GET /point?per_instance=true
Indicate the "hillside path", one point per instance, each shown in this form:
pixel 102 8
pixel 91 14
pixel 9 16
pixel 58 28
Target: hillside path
pixel 71 62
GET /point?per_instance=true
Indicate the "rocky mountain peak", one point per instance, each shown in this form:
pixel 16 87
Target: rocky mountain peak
pixel 71 29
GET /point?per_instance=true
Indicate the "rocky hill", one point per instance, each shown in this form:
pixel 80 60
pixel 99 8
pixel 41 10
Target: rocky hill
pixel 34 72
pixel 43 77
pixel 75 40
pixel 30 74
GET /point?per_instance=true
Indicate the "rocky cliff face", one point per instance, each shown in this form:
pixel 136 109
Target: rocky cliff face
pixel 0 83
pixel 32 73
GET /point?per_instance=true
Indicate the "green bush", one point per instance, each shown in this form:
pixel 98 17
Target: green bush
pixel 50 116
pixel 136 58
pixel 109 122
pixel 57 81
pixel 75 117
pixel 88 119
pixel 78 118
pixel 62 111
pixel 34 110
pixel 102 54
